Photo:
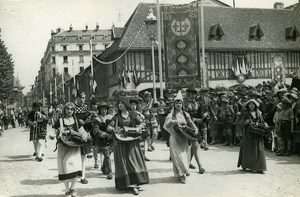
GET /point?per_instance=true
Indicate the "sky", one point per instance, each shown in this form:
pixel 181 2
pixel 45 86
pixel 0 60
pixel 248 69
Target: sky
pixel 26 24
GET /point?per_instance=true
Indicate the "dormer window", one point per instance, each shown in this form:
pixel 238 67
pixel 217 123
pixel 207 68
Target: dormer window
pixel 64 38
pixel 291 33
pixel 92 37
pixel 79 37
pixel 255 33
pixel 216 32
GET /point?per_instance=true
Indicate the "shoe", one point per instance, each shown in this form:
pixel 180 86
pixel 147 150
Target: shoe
pixel 183 179
pixel 149 149
pixel 212 143
pixel 244 169
pixel 188 174
pixel 147 159
pixel 152 147
pixel 135 191
pixel 288 153
pixel 192 166
pixel 43 155
pixel 96 166
pixel 34 154
pixel 261 172
pixel 109 176
pixel 226 144
pixel 39 159
pixel 206 148
pixel 84 181
pixel 170 158
pixel 201 170
pixel 280 153
pixel 68 194
pixel 73 193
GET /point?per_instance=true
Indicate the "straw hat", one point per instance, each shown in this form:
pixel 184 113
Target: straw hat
pixel 251 100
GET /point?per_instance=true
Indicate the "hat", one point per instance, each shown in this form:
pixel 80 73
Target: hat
pixel 249 101
pixel 279 105
pixel 295 96
pixel 146 93
pixel 36 104
pixel 224 100
pixel 191 90
pixel 103 104
pixel 179 96
pixel 125 100
pixel 286 100
pixel 134 100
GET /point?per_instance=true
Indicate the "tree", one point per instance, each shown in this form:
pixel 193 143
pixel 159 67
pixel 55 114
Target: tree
pixel 6 71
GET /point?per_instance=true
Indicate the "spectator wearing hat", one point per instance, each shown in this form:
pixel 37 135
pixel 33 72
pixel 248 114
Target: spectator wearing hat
pixel 83 114
pixel 103 139
pixel 276 121
pixel 130 166
pixel 37 120
pixel 286 118
pixel 227 117
pixel 252 151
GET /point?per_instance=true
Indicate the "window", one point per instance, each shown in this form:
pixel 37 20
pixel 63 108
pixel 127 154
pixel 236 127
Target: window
pixel 114 68
pixel 66 71
pixel 92 37
pixel 291 33
pixel 79 37
pixel 53 60
pixel 64 38
pixel 81 59
pixel 52 48
pixel 94 47
pixel 216 32
pixel 80 47
pixel 65 59
pixel 81 69
pixel 64 48
pixel 53 72
pixel 255 33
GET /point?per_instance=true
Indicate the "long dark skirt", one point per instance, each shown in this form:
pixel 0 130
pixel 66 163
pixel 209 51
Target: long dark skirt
pixel 252 152
pixel 130 164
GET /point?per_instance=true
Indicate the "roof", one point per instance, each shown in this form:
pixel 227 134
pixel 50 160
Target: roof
pixel 237 23
pixel 236 26
pixel 117 32
pixel 212 3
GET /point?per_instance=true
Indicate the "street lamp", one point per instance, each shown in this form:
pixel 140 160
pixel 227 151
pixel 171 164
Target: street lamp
pixel 151 22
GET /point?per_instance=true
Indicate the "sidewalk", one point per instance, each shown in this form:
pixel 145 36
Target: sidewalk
pixel 22 176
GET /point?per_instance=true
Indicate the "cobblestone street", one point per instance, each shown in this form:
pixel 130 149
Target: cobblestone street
pixel 22 176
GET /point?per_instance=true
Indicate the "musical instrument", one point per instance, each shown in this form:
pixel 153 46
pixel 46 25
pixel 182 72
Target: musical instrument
pixel 128 133
pixel 186 132
pixel 259 128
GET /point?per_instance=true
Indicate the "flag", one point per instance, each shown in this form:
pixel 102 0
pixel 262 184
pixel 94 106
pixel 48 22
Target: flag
pixel 134 78
pixel 94 86
pixel 243 67
pixel 128 77
pixel 123 79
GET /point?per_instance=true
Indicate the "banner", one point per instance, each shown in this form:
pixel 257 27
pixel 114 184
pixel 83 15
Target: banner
pixel 181 45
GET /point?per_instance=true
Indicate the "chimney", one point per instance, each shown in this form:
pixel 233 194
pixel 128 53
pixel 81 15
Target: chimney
pixel 86 27
pixel 97 25
pixel 52 33
pixel 278 5
pixel 70 27
pixel 58 30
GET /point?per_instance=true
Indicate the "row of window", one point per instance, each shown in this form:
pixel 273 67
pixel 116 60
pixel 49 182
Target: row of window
pixel 80 47
pixel 66 70
pixel 65 59
pixel 255 33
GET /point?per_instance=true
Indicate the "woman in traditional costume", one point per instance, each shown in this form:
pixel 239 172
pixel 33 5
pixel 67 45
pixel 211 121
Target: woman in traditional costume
pixel 179 146
pixel 252 151
pixel 130 166
pixel 68 155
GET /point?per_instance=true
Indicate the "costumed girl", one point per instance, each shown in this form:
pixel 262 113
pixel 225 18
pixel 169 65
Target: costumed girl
pixel 179 146
pixel 130 166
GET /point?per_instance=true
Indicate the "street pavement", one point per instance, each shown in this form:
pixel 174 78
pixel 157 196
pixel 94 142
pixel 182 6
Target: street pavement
pixel 22 176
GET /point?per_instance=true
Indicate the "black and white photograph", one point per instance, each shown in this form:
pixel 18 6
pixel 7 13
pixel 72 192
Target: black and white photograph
pixel 197 98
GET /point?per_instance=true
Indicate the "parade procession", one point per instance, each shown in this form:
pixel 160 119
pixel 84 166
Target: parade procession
pixel 195 98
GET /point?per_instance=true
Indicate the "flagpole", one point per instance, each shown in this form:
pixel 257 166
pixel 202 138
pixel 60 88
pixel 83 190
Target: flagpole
pixel 63 87
pixel 51 93
pixel 203 47
pixel 92 67
pixel 55 88
pixel 159 49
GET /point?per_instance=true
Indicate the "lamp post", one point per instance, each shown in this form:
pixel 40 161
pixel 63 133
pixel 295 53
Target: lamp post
pixel 151 22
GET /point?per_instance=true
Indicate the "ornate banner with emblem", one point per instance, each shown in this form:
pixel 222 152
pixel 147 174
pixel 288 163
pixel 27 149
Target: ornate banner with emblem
pixel 181 40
